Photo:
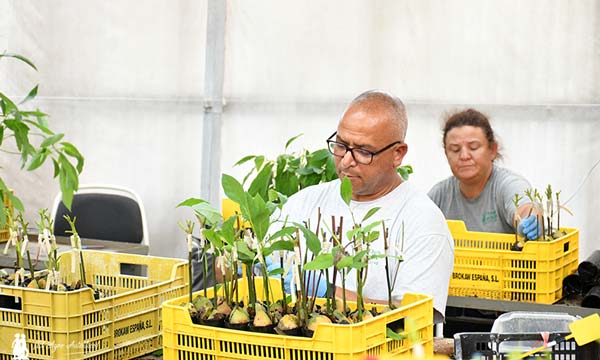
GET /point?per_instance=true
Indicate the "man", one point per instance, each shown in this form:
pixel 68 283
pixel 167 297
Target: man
pixel 368 147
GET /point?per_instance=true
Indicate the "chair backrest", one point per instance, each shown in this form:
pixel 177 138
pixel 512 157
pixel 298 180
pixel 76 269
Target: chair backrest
pixel 103 212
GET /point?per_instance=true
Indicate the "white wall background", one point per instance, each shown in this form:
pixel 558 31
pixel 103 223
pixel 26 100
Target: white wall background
pixel 124 82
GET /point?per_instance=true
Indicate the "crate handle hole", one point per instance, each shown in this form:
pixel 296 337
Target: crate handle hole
pixel 566 247
pixel 134 269
pixel 397 326
pixel 11 302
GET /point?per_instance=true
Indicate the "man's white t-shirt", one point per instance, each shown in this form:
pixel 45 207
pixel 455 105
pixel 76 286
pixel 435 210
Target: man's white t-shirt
pixel 428 248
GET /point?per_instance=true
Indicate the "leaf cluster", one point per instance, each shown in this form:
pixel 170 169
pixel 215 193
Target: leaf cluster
pixel 21 126
pixel 292 172
pixel 289 172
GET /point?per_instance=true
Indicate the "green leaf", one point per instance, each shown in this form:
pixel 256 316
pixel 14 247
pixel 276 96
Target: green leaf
pixel 372 236
pixel 208 213
pixel 358 265
pixel 31 95
pixel 286 183
pixel 359 256
pixel 291 140
pixel 21 132
pixel 49 141
pixel 305 171
pixel 214 238
pixel 312 240
pixel 39 124
pixel 330 173
pixel 72 151
pixel 56 168
pixel 346 190
pixel 36 113
pixel 367 228
pixel 12 198
pixel 344 262
pixel 260 185
pixel 370 213
pixel 1 134
pixel 245 254
pixel 310 180
pixel 350 234
pixel 68 179
pixel 391 334
pixel 277 271
pixel 320 262
pixel 287 231
pixel 286 245
pixel 190 202
pixel 38 159
pixel 244 159
pixel 20 57
pixel 228 229
pixel 7 105
pixel 233 189
pixel 258 214
pixel 258 161
pixel 405 171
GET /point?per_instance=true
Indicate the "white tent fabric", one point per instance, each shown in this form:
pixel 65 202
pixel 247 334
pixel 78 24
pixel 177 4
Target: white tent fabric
pixel 125 82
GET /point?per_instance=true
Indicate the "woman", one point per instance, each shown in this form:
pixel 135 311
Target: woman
pixel 481 193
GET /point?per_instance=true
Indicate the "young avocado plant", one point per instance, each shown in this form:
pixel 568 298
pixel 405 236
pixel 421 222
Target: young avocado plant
pixel 76 245
pixel 548 210
pixel 26 125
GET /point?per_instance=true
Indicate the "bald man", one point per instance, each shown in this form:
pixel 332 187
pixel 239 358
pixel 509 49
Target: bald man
pixel 367 147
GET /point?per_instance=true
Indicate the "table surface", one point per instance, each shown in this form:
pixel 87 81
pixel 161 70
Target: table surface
pixel 505 306
pixel 63 244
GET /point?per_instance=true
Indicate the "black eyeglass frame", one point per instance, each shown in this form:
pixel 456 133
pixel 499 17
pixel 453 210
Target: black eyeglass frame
pixel 351 149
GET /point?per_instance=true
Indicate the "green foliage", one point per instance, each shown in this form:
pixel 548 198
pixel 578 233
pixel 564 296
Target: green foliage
pixel 21 126
pixel 346 190
pixel 405 171
pixel 290 172
pixel 204 211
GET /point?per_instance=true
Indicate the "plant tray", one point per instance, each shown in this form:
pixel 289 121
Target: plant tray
pixel 4 234
pixel 125 324
pixel 491 346
pixel 485 267
pixel 183 339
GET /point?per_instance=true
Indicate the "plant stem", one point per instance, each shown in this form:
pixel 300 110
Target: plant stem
pixel 32 270
pixel 557 211
pixel 205 270
pixel 190 273
pixel 282 282
pixel 387 264
pixel 81 268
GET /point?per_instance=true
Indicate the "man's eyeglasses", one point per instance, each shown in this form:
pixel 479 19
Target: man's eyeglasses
pixel 361 156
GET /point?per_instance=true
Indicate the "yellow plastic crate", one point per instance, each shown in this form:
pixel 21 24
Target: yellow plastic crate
pixel 183 339
pixel 485 267
pixel 4 234
pixel 125 324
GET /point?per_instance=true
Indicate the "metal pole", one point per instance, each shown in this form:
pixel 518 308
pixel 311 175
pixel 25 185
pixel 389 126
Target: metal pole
pixel 213 104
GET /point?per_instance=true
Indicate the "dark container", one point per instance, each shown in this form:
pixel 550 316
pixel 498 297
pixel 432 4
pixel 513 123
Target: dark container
pixel 589 269
pixel 572 286
pixel 592 298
